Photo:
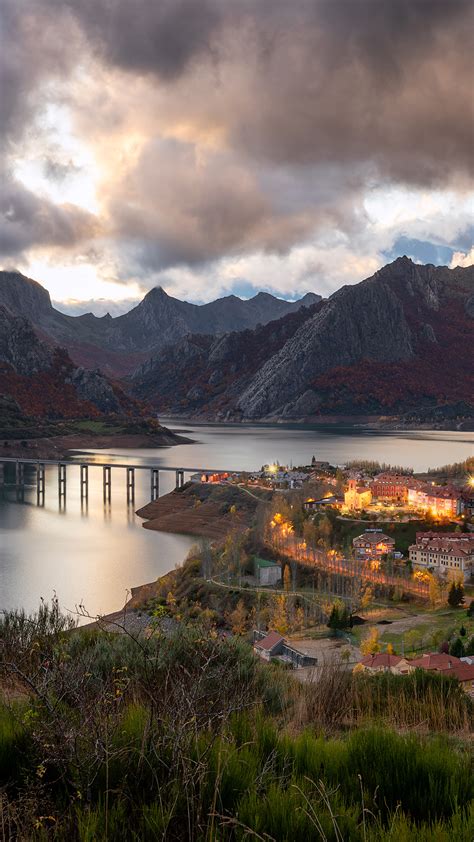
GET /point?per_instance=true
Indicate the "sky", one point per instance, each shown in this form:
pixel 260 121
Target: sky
pixel 230 146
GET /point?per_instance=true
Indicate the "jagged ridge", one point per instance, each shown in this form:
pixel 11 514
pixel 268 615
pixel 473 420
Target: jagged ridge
pixel 395 342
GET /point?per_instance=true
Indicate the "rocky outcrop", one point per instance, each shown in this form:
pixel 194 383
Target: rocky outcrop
pixel 366 321
pixel 20 348
pixel 43 381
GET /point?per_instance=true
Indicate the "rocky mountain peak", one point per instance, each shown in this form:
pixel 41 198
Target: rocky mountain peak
pixel 23 296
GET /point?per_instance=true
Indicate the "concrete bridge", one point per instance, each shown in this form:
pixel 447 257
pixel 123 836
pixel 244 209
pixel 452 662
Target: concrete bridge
pixel 84 466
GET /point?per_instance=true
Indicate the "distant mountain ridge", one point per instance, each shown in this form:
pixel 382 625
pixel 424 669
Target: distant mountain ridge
pixel 118 345
pixel 397 342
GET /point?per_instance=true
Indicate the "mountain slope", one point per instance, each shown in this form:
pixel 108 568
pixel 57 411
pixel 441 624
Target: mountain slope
pixel 44 382
pixel 398 341
pixel 119 345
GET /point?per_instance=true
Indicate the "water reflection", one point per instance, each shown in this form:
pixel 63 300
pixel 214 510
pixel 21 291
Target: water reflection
pixel 93 552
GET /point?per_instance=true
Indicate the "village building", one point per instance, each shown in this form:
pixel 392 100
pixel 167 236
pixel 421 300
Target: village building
pixel 464 674
pixel 444 502
pixel 357 496
pixel 210 477
pixel 273 645
pixel 312 505
pixel 384 662
pixel 266 572
pixel 390 487
pixel 436 661
pixel 373 543
pixel 444 552
pixel 467 499
pixel 448 665
pixel 281 477
pixel 441 662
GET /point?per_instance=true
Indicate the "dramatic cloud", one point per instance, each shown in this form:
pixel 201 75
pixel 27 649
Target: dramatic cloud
pixel 28 221
pixel 252 132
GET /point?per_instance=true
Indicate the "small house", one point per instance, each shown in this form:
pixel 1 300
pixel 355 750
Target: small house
pixel 373 543
pixel 384 662
pixel 266 572
pixel 273 645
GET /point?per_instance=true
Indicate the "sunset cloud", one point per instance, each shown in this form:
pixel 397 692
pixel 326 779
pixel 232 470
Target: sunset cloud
pixel 192 136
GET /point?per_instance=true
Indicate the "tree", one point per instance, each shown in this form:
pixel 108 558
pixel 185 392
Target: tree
pixel 469 647
pixel 413 638
pixel 457 649
pixel 470 610
pixel 339 617
pixel 371 644
pixel 366 597
pixel 238 618
pixel 279 619
pixel 286 578
pixel 434 590
pixel 462 631
pixel 390 649
pixel 333 622
pixel 299 619
pixel 456 594
pixel 325 529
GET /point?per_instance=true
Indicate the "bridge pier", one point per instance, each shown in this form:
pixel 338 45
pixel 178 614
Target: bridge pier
pixel 155 483
pixel 20 481
pixel 130 485
pixel 19 474
pixel 84 480
pixel 40 484
pixel 61 480
pixel 179 478
pixel 107 481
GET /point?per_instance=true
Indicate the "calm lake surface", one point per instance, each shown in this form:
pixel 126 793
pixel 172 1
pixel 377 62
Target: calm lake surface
pixel 93 554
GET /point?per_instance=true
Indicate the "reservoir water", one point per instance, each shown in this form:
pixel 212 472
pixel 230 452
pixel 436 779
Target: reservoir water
pixel 93 554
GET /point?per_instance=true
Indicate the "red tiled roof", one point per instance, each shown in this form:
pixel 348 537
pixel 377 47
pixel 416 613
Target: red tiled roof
pixel 462 671
pixel 435 661
pixel 374 538
pixel 381 659
pixel 393 479
pixel 268 642
pixel 454 543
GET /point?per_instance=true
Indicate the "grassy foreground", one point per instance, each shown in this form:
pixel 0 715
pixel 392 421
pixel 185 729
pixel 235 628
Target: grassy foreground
pixel 189 737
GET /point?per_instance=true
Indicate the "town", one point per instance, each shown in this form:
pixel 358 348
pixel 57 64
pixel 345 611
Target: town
pixel 351 548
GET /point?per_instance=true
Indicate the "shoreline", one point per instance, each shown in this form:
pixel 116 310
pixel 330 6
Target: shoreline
pixel 53 447
pixel 376 423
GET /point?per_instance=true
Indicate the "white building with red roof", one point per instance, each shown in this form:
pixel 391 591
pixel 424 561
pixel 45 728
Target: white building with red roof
pixel 384 662
pixel 445 553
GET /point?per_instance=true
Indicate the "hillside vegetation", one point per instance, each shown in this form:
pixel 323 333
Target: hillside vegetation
pixel 188 736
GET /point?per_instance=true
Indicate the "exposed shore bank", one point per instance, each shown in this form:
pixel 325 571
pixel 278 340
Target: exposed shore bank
pixel 58 447
pixel 206 511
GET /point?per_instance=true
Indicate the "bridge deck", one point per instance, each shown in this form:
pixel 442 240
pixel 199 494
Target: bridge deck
pixel 77 462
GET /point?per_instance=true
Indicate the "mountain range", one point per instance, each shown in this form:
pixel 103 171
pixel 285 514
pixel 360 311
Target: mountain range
pixel 118 345
pixel 399 342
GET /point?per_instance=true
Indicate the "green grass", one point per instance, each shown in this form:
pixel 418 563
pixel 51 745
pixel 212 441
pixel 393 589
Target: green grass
pixel 96 427
pixel 189 736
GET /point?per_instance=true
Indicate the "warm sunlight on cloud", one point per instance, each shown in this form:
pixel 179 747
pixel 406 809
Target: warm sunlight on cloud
pixel 83 279
pixel 460 259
